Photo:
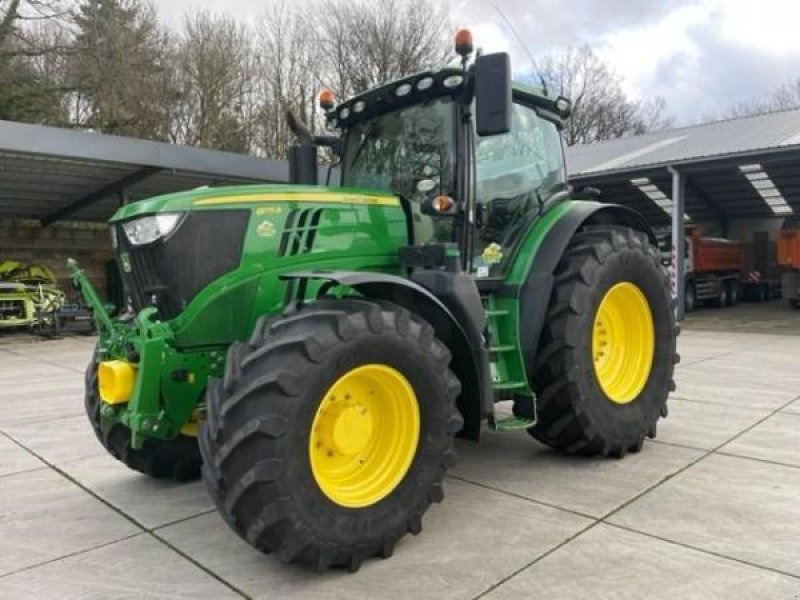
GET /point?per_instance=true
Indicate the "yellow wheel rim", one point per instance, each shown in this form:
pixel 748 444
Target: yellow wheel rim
pixel 623 341
pixel 364 435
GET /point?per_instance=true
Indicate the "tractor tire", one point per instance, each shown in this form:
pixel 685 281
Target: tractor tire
pixel 177 459
pixel 274 421
pixel 585 405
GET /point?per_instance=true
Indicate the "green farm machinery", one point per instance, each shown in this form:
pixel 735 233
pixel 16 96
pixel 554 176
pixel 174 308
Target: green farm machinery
pixel 312 352
pixel 29 296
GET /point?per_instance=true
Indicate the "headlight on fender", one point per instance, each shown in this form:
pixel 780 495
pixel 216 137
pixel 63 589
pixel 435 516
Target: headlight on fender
pixel 147 230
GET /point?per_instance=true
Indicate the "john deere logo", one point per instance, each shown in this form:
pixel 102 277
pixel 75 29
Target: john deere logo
pixel 493 254
pixel 125 260
pixel 266 229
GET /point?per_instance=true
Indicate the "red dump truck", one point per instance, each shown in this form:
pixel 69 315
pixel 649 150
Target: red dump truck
pixel 713 269
pixel 717 272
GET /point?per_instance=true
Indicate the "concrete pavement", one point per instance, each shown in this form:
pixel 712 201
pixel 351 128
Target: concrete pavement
pixel 710 509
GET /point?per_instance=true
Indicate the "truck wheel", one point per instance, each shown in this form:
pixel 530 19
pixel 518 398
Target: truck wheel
pixel 689 298
pixel 177 459
pixel 607 353
pixel 330 434
pixel 723 299
pixel 733 293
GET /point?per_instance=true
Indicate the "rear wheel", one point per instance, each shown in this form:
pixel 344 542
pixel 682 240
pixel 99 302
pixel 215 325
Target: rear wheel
pixel 330 435
pixel 177 459
pixel 607 353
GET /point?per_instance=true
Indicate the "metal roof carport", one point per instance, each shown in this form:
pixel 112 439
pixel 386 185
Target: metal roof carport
pixel 51 174
pixel 717 172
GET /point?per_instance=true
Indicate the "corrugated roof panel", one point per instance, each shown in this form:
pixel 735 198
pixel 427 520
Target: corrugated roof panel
pixel 722 138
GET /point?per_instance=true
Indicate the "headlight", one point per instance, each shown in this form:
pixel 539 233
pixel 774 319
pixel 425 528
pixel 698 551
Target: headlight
pixel 149 229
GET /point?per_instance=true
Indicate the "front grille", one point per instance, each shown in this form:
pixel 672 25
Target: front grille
pixel 169 273
pixel 299 231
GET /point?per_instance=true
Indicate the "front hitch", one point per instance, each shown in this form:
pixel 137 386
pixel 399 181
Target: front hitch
pixel 82 283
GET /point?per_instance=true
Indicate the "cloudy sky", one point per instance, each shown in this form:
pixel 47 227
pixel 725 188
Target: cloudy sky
pixel 699 55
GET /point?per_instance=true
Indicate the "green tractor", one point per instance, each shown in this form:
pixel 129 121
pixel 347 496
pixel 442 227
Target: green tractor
pixel 313 351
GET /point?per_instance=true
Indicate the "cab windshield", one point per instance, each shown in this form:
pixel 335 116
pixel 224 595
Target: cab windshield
pixel 408 151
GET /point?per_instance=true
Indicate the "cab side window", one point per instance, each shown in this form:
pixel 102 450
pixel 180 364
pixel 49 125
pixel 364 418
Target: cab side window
pixel 514 171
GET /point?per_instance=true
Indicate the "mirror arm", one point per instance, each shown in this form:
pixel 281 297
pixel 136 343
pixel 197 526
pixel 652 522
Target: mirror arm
pixel 333 142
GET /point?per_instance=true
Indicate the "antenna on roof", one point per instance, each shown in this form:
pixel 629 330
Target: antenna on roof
pixel 524 47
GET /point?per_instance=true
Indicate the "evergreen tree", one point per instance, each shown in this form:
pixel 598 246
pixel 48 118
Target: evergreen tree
pixel 118 69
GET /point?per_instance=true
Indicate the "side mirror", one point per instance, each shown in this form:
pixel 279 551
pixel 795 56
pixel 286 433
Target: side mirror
pixel 493 94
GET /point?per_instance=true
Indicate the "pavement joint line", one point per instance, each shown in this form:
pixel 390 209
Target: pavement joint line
pixel 544 555
pixel 676 445
pixel 604 518
pixel 71 555
pixel 132 520
pixel 674 396
pixel 31 470
pixel 724 354
pixel 788 412
pixel 46 362
pixel 184 519
pixel 521 497
pixel 47 420
pixel 704 551
pixel 690 464
pixel 777 463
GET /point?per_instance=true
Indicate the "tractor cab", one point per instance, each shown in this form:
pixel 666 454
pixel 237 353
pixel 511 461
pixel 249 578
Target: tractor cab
pixel 473 158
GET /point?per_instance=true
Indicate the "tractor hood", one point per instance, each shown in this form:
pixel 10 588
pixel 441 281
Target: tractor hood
pixel 246 196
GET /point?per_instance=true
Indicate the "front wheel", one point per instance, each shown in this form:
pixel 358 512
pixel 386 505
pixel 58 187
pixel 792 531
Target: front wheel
pixel 177 459
pixel 330 435
pixel 607 353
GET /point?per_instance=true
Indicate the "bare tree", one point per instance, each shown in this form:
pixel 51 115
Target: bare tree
pixel 214 81
pixel 600 108
pixel 286 76
pixel 363 43
pixel 784 97
pixel 32 34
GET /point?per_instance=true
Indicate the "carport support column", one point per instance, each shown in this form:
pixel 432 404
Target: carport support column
pixel 677 262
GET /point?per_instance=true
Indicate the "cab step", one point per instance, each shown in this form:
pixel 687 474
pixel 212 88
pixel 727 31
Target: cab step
pixel 502 348
pixel 508 385
pixel 511 423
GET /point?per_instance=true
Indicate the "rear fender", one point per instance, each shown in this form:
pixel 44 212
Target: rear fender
pixel 536 289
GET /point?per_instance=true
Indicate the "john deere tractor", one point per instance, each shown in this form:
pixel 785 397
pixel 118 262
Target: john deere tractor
pixel 313 351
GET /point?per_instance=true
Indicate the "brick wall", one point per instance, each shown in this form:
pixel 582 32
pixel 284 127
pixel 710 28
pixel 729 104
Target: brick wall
pixel 88 243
